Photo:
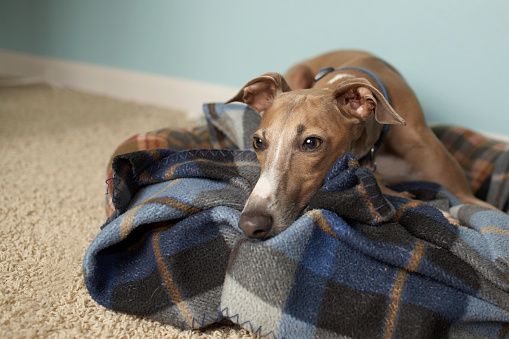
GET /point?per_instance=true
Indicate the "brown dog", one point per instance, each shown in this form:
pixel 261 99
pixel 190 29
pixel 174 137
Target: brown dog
pixel 303 132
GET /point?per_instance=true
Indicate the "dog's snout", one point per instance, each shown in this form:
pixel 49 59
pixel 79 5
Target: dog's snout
pixel 255 225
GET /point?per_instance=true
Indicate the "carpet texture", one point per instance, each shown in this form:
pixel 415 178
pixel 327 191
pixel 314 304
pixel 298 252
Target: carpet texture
pixel 55 145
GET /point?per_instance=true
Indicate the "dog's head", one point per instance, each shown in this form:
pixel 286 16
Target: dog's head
pixel 301 134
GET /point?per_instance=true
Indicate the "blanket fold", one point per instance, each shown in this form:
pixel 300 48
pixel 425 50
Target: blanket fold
pixel 355 264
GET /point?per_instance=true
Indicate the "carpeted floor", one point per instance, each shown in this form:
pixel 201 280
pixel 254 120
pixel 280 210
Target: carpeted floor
pixel 54 148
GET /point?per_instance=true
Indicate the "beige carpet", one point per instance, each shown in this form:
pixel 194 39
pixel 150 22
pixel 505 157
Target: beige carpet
pixel 54 148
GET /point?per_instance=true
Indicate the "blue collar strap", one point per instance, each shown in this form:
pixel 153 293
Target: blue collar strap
pixel 326 70
pixel 323 72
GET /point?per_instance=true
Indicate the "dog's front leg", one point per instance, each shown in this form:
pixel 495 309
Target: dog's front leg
pixel 427 156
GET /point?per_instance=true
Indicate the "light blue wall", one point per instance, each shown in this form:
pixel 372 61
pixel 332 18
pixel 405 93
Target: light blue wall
pixel 454 53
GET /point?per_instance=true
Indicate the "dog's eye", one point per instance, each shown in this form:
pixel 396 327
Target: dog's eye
pixel 258 143
pixel 311 143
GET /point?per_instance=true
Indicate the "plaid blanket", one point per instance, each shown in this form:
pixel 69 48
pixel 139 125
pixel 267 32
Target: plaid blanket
pixel 485 162
pixel 172 251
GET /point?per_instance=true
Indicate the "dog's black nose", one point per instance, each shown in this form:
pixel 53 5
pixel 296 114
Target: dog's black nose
pixel 255 226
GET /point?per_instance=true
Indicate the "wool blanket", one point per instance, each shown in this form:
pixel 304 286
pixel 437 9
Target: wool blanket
pixel 356 263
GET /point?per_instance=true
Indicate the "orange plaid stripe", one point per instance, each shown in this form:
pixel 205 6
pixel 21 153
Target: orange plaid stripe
pixel 475 153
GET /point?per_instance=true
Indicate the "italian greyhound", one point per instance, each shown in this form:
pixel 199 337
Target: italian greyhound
pixel 324 107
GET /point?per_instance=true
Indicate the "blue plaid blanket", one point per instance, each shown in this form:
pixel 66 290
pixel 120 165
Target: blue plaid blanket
pixel 355 264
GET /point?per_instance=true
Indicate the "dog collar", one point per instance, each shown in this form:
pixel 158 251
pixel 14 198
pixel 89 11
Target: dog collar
pixel 323 72
pixel 371 155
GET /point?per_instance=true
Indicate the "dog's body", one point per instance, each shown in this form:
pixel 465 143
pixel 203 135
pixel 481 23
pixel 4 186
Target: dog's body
pixel 307 125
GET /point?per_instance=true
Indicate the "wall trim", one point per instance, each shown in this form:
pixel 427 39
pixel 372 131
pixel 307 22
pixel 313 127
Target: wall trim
pixel 146 88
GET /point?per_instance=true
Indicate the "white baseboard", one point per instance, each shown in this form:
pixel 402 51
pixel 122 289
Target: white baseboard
pixel 176 93
pixel 495 136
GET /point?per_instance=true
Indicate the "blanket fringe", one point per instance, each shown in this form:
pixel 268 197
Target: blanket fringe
pixel 208 319
pixel 245 324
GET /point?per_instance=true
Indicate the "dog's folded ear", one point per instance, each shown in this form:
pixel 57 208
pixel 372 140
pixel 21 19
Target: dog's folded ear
pixel 259 92
pixel 359 98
